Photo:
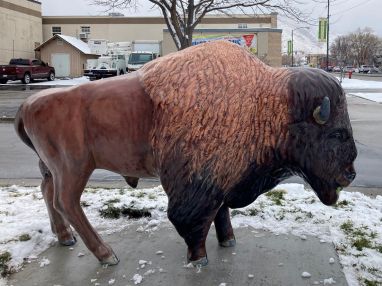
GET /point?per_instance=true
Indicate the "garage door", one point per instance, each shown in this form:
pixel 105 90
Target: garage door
pixel 61 63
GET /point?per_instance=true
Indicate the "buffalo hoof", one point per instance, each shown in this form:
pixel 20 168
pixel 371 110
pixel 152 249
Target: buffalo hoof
pixel 69 242
pixel 111 260
pixel 200 262
pixel 228 243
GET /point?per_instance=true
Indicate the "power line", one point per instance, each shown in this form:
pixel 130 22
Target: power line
pixel 351 8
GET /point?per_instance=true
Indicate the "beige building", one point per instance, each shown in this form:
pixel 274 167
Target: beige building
pixel 121 29
pixel 68 55
pixel 21 29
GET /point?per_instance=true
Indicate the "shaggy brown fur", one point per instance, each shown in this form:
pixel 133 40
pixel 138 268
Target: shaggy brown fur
pixel 221 108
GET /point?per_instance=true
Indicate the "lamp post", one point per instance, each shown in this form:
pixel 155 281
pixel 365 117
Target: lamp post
pixel 292 39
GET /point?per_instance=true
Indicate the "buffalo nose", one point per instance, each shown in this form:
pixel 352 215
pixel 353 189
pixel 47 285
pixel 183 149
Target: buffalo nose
pixel 350 173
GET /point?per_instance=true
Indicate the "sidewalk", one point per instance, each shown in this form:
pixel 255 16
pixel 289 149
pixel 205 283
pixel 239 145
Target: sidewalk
pixel 259 258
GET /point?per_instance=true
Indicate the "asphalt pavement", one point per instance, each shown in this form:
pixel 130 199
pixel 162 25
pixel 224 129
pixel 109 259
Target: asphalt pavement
pixel 259 258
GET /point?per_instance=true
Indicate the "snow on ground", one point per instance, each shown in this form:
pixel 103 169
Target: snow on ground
pixel 377 97
pixel 353 225
pixel 360 84
pixel 56 82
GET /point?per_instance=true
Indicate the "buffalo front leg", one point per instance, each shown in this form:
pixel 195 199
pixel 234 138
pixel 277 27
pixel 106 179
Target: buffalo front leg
pixel 224 231
pixel 69 185
pixel 59 225
pixel 192 213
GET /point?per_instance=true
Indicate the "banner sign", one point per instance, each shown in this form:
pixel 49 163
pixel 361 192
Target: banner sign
pixel 290 48
pixel 323 29
pixel 247 40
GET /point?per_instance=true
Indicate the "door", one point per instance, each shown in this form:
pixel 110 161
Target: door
pixel 61 64
pixel 37 69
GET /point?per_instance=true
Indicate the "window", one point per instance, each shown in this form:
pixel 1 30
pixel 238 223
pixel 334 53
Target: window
pixel 36 62
pixel 56 30
pixel 85 29
pixel 242 26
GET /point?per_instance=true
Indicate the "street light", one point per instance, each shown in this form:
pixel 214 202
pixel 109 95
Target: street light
pixel 292 39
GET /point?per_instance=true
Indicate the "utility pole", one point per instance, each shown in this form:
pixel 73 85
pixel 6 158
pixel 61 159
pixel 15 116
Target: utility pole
pixel 292 48
pixel 292 40
pixel 327 41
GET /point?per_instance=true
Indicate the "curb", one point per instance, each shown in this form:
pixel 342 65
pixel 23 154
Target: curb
pixel 7 119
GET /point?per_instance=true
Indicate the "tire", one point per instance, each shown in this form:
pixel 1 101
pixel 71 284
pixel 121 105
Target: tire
pixel 26 78
pixel 51 76
pixel 3 81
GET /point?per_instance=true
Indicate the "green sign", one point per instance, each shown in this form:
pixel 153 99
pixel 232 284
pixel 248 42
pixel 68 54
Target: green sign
pixel 323 29
pixel 290 47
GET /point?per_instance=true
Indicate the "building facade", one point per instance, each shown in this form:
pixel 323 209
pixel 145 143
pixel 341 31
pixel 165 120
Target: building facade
pixel 121 29
pixel 21 29
pixel 68 55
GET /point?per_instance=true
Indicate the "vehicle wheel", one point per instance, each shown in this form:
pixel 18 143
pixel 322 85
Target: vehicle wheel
pixel 121 72
pixel 26 79
pixel 3 81
pixel 51 76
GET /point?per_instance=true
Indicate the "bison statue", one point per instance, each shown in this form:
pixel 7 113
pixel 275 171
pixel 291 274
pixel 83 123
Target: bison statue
pixel 215 124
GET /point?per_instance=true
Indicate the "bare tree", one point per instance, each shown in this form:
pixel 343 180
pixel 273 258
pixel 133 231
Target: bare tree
pixel 360 47
pixel 341 49
pixel 364 45
pixel 182 16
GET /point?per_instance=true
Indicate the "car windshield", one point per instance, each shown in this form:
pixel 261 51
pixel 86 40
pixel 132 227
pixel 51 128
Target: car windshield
pixel 20 62
pixel 136 59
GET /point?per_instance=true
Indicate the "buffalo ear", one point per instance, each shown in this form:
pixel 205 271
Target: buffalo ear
pixel 322 113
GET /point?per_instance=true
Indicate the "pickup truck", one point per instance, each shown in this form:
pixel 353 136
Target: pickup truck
pixel 26 70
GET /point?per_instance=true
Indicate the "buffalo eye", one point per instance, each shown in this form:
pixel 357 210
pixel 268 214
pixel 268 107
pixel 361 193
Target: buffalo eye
pixel 339 134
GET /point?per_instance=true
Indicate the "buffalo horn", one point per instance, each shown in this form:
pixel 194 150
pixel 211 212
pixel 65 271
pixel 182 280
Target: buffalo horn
pixel 321 113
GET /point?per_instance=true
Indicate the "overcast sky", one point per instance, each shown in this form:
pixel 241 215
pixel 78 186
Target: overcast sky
pixel 347 15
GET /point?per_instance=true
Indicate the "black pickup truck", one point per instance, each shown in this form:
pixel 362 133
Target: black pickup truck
pixel 26 70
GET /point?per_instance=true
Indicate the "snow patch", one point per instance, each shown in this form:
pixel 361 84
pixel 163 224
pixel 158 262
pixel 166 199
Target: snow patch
pixel 44 262
pixel 329 281
pixel 360 84
pixel 137 279
pixel 376 97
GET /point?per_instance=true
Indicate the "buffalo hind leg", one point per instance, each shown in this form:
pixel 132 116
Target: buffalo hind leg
pixel 224 231
pixel 68 189
pixel 59 225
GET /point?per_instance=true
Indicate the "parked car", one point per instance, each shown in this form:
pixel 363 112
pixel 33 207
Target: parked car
pixel 364 69
pixel 349 69
pixel 374 70
pixel 26 70
pixel 337 69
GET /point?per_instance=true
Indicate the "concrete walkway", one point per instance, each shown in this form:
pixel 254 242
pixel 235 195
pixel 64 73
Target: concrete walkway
pixel 271 259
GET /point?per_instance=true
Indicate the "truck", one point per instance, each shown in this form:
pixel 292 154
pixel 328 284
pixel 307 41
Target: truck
pixel 138 58
pixel 153 46
pixel 143 52
pixel 106 66
pixel 26 70
pixel 112 62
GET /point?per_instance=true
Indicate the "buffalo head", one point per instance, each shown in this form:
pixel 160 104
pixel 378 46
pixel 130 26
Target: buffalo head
pixel 321 148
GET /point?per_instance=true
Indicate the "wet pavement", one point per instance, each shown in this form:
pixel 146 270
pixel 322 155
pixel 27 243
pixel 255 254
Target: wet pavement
pixel 259 258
